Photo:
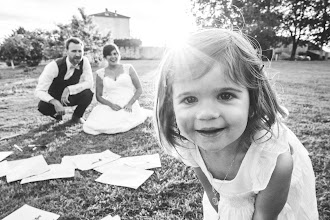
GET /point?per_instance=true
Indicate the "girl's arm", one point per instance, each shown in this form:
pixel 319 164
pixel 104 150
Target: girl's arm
pixel 206 185
pixel 270 202
pixel 99 93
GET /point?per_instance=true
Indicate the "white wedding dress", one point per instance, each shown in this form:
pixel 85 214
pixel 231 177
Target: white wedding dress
pixel 104 119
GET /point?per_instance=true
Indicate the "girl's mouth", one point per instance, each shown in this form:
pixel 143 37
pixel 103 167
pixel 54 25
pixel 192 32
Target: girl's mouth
pixel 210 131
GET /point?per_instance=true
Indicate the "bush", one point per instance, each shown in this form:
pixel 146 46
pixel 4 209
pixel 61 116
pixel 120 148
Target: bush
pixel 16 62
pixel 128 42
pixel 22 48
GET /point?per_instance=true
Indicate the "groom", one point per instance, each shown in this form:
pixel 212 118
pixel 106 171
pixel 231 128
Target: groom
pixel 66 81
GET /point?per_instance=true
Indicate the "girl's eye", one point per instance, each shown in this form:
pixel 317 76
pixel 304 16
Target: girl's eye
pixel 190 100
pixel 226 96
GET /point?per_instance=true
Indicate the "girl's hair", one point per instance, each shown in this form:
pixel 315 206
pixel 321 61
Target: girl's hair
pixel 107 49
pixel 196 57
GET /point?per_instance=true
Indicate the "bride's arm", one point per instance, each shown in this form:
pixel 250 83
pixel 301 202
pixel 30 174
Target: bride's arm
pixel 137 85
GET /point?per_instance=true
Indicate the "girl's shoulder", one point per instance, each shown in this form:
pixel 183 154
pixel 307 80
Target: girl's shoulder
pixel 265 151
pixel 275 143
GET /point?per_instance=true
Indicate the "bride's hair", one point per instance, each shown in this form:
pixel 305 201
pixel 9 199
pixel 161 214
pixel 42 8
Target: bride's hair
pixel 107 49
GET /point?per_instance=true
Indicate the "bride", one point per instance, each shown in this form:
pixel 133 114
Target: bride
pixel 118 89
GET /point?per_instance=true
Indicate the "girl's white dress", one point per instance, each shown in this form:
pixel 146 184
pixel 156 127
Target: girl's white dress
pixel 104 119
pixel 237 196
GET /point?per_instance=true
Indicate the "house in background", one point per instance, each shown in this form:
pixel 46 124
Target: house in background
pixel 117 24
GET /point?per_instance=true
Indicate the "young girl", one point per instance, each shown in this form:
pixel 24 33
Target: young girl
pixel 216 111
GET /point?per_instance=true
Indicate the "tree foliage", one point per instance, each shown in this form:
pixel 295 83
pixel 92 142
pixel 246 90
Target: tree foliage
pixel 215 13
pixel 268 21
pixel 22 47
pixel 321 23
pixel 83 28
pixel 258 19
pixel 296 21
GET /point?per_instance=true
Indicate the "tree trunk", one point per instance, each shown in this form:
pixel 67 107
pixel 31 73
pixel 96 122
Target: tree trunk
pixel 12 64
pixel 294 49
pixel 322 53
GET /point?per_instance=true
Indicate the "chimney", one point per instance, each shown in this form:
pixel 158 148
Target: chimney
pixel 106 12
pixel 116 13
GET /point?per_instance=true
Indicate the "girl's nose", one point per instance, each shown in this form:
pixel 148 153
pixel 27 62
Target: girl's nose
pixel 208 112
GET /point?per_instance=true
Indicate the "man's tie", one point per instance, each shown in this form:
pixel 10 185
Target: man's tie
pixel 74 67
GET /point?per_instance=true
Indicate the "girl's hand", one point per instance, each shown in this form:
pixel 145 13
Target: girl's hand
pixel 128 108
pixel 115 107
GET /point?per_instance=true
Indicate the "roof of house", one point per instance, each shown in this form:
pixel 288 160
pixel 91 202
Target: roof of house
pixel 109 14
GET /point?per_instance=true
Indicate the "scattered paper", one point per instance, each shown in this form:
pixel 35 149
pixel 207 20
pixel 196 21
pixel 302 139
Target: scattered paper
pixel 56 171
pixel 143 162
pixel 10 136
pixel 90 161
pixel 27 212
pixel 109 217
pixel 18 147
pixel 4 154
pixel 3 168
pixel 19 169
pixel 123 175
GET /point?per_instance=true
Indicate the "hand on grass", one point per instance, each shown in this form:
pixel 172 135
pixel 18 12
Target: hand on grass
pixel 58 107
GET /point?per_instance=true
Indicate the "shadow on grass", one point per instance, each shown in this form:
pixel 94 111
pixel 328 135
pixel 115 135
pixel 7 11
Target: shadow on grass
pixel 46 137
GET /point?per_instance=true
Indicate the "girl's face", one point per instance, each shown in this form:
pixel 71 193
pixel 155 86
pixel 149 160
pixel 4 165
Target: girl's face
pixel 113 58
pixel 211 111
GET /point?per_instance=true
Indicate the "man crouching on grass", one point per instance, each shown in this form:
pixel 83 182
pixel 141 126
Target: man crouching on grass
pixel 66 81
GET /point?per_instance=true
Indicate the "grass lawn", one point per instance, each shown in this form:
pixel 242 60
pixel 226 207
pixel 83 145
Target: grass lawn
pixel 172 192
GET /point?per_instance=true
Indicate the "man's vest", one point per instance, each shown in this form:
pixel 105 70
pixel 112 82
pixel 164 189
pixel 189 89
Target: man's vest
pixel 59 83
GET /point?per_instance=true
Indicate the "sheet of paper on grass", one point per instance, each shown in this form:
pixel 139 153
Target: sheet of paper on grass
pixel 27 212
pixel 56 171
pixel 3 168
pixel 123 175
pixel 20 169
pixel 90 161
pixel 109 217
pixel 143 162
pixel 4 154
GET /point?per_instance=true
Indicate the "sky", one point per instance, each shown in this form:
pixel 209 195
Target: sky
pixel 155 22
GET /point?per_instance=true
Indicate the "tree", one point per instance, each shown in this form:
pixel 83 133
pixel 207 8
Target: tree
pixel 22 47
pixel 257 18
pixel 85 29
pixel 321 24
pixel 215 13
pixel 13 50
pixel 54 45
pixel 296 22
pixel 35 41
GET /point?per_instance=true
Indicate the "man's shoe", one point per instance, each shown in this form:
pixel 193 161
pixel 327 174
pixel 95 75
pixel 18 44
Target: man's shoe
pixel 77 120
pixel 57 117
